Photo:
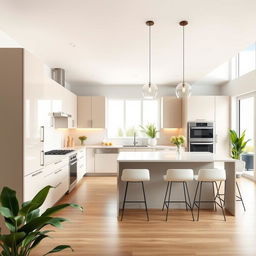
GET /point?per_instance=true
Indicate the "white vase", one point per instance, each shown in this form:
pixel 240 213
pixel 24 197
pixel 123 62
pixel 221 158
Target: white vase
pixel 152 142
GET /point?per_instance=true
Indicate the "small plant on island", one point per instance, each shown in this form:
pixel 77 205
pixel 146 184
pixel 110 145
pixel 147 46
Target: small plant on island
pixel 26 225
pixel 178 141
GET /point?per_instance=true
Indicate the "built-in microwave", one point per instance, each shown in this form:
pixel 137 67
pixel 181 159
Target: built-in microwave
pixel 201 136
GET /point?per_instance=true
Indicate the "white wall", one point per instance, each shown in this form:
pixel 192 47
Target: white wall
pixel 242 85
pixel 134 91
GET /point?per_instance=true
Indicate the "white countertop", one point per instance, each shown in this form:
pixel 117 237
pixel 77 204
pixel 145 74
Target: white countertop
pixel 132 147
pixel 170 157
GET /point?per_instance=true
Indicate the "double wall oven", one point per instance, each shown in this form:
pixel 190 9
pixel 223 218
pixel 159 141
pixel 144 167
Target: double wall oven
pixel 201 137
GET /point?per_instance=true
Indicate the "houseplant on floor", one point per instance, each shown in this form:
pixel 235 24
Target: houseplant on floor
pixel 238 144
pixel 26 224
pixel 151 131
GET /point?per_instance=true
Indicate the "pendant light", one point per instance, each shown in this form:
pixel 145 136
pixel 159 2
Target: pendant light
pixel 183 89
pixel 149 90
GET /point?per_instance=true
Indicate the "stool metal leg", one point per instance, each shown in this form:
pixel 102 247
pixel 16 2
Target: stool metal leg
pixel 124 200
pixel 194 202
pixel 240 196
pixel 185 195
pixel 165 195
pixel 200 192
pixel 186 186
pixel 168 203
pixel 221 203
pixel 145 201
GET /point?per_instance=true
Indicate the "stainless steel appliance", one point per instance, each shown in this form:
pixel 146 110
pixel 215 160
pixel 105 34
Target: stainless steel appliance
pixel 72 164
pixel 201 137
pixel 72 171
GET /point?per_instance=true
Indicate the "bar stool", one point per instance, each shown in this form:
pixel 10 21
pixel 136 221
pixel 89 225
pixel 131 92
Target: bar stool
pixel 135 176
pixel 178 176
pixel 209 176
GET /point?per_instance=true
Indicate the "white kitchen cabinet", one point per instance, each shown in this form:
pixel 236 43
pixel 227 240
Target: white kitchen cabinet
pixel 33 113
pixel 210 108
pixel 91 112
pixel 222 125
pixel 171 112
pixel 61 100
pixel 81 164
pixel 106 163
pixel 90 160
pixel 199 107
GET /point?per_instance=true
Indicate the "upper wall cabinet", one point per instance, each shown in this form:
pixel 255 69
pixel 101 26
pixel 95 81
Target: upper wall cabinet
pixel 60 100
pixel 91 111
pixel 199 107
pixel 171 112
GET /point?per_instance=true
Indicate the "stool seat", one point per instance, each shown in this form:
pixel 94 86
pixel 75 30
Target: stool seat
pixel 179 175
pixel 135 175
pixel 211 175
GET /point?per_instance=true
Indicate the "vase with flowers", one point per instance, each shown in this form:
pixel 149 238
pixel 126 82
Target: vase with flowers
pixel 178 141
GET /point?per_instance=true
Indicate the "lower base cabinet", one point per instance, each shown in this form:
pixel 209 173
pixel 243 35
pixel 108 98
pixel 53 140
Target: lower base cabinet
pixel 105 163
pixel 81 164
pixel 55 175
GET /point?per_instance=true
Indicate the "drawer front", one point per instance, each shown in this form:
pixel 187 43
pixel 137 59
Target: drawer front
pixel 61 163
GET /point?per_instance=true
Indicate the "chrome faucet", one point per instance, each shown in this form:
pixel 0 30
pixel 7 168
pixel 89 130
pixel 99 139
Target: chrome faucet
pixel 134 139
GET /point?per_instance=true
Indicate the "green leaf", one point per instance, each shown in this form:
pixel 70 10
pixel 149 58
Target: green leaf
pixel 10 225
pixel 56 222
pixel 6 212
pixel 9 200
pixel 38 240
pixel 34 224
pixel 34 214
pixel 13 238
pixel 36 202
pixel 57 208
pixel 59 248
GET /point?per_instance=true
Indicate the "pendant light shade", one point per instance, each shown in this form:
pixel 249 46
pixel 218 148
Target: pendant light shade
pixel 149 90
pixel 183 89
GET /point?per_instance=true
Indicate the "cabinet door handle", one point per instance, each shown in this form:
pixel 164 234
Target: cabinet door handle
pixel 58 184
pixel 58 171
pixel 42 158
pixel 58 162
pixel 37 173
pixel 41 133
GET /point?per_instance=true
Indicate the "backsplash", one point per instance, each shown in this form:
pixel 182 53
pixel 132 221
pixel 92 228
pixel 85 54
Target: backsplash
pixel 56 138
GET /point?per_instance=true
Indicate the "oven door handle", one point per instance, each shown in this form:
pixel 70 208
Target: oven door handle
pixel 201 128
pixel 201 143
pixel 73 163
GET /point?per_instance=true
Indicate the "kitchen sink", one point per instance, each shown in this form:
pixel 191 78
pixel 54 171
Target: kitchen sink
pixel 137 146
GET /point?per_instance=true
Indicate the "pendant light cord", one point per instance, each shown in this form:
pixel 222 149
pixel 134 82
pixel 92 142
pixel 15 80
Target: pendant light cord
pixel 149 57
pixel 183 57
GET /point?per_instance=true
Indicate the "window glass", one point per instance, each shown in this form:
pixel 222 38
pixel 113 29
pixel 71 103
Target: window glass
pixel 246 119
pixel 124 117
pixel 247 60
pixel 115 117
pixel 132 116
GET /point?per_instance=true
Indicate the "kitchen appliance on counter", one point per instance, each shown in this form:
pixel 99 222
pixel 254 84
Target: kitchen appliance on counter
pixel 72 164
pixel 201 136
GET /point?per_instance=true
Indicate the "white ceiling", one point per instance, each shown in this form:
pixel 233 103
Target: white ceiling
pixel 110 36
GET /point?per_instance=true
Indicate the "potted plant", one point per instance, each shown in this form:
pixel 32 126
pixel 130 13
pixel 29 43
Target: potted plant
pixel 238 144
pixel 178 141
pixel 26 225
pixel 82 139
pixel 151 131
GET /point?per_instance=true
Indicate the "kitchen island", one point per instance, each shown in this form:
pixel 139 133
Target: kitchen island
pixel 158 163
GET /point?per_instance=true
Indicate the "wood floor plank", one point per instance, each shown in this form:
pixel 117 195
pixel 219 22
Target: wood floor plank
pixel 97 232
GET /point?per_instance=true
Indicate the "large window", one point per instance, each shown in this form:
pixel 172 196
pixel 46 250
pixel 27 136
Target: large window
pixel 247 60
pixel 124 117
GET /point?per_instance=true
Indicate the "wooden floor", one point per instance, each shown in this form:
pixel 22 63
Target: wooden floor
pixel 97 231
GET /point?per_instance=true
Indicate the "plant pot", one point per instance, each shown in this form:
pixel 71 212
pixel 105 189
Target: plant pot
pixel 152 142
